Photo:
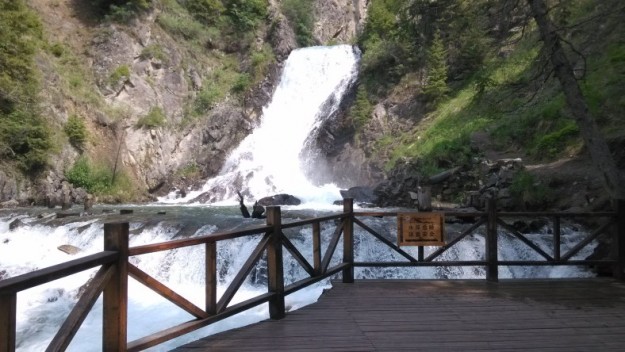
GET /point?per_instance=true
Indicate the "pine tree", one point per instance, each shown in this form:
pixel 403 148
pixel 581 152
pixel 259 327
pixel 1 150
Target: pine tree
pixel 436 87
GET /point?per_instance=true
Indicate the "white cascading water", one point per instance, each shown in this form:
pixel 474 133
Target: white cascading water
pixel 267 162
pixel 311 77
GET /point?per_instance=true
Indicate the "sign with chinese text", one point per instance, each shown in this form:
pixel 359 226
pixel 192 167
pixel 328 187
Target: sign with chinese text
pixel 421 229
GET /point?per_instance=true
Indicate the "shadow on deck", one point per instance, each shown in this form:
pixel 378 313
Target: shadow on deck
pixel 544 315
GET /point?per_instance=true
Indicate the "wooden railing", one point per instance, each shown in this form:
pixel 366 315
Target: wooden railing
pixel 495 224
pixel 112 277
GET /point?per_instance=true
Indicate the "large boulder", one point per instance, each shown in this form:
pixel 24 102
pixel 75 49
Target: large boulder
pixel 279 199
pixel 360 194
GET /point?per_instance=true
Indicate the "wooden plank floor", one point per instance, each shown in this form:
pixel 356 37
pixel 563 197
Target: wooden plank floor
pixel 545 315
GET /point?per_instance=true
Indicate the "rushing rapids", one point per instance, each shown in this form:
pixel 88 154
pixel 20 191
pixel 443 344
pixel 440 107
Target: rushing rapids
pixel 313 78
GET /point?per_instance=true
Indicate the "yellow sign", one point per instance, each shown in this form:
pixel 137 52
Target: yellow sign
pixel 421 229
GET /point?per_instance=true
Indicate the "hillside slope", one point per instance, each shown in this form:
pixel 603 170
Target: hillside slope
pixel 449 88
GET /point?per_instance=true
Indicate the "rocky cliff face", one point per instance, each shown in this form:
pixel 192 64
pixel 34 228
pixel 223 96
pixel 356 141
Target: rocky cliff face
pixel 339 21
pixel 125 82
pixel 355 156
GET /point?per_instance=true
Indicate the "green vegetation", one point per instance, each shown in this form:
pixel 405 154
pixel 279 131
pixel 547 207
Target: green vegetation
pixel 362 109
pixel 241 15
pixel 300 15
pixel 246 15
pixel 436 88
pixel 206 11
pixel 120 73
pixel 492 81
pixel 121 10
pixel 191 170
pixel 24 134
pixel 56 49
pixel 154 118
pixel 529 192
pixel 153 51
pixel 93 179
pixel 100 180
pixel 241 84
pixel 260 61
pixel 216 86
pixel 223 30
pixel 76 131
pixel 176 20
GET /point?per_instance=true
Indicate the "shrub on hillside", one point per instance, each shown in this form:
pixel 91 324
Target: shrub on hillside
pixel 300 15
pixel 76 131
pixel 154 118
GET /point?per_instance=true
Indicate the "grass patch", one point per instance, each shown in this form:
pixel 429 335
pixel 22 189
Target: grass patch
pixel 153 119
pixel 190 170
pixel 221 81
pixel 153 51
pixel 120 73
pixel 260 61
pixel 443 141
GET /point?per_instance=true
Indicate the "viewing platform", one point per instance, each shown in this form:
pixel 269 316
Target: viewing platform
pixel 452 315
pixel 367 315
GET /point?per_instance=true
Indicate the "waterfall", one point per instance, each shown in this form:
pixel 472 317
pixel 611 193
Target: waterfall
pixel 269 160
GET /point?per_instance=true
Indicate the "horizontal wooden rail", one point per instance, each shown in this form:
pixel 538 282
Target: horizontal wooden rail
pixel 29 280
pixel 538 214
pixel 193 241
pixel 190 326
pixel 420 264
pixel 300 223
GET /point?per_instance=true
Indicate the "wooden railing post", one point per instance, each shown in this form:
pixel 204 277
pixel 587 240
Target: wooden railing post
pixel 8 304
pixel 275 269
pixel 316 233
pixel 557 238
pixel 211 278
pixel 115 309
pixel 492 268
pixel 348 240
pixel 619 240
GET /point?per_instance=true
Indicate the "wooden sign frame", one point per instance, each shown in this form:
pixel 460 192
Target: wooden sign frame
pixel 421 229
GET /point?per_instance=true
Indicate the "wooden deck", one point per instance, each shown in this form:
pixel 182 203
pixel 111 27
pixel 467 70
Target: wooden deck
pixel 544 315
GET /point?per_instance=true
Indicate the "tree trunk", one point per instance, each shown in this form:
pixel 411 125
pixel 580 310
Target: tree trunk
pixel 593 139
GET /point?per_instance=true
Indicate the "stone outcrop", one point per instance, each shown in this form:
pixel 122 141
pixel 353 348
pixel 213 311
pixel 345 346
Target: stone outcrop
pixel 338 21
pixel 353 154
pixel 360 194
pixel 8 190
pixel 469 185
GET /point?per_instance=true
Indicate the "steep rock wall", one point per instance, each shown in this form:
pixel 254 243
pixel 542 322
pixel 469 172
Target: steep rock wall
pixel 339 21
